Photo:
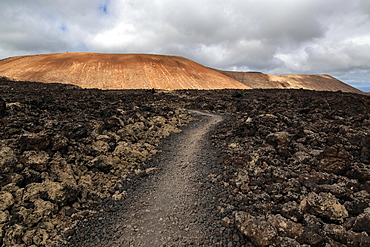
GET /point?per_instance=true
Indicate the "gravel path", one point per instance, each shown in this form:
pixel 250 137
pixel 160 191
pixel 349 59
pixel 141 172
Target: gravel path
pixel 175 206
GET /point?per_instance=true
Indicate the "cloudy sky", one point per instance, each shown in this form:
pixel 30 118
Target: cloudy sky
pixel 276 37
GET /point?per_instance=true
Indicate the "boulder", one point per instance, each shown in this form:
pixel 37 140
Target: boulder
pixel 104 138
pixel 334 165
pixel 100 147
pixel 365 151
pixel 286 242
pixel 325 206
pixel 336 232
pixel 40 238
pixel 59 143
pixel 85 183
pixel 356 206
pixel 119 195
pixel 6 200
pixel 104 163
pixel 362 223
pixel 2 232
pixel 28 237
pixel 358 239
pixel 14 107
pixel 123 149
pixel 334 159
pixel 31 176
pixel 4 216
pixel 7 159
pixel 285 227
pixel 14 178
pixel 60 192
pixel 338 190
pixel 301 156
pixel 158 121
pixel 45 208
pixel 34 141
pixel 11 188
pixel 37 160
pixel 290 210
pixel 227 222
pixel 311 238
pixel 13 235
pixel 52 191
pixel 242 179
pixel 258 229
pixel 278 138
pixel 29 218
pixel 2 107
pixel 335 151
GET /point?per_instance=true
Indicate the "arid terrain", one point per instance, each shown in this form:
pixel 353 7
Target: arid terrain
pixel 264 167
pixel 147 71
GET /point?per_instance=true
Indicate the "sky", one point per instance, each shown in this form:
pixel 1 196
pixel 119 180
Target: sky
pixel 276 37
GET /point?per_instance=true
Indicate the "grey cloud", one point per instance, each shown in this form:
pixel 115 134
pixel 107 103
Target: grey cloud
pixel 345 58
pixel 45 26
pixel 287 36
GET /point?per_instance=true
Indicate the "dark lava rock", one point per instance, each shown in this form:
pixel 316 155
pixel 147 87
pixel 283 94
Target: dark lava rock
pixel 34 141
pixel 306 159
pixel 325 206
pixel 2 107
pixel 259 230
pixel 361 223
pixel 295 162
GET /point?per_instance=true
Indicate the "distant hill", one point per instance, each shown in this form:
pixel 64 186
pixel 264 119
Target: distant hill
pixel 311 82
pixel 116 71
pixel 145 71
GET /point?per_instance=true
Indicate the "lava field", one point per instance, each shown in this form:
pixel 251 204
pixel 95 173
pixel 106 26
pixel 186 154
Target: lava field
pixel 296 163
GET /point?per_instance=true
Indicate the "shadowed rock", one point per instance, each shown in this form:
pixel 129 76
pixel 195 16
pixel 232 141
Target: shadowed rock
pixel 2 107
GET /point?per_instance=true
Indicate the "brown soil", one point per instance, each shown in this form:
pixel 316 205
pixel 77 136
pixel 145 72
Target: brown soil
pixel 116 71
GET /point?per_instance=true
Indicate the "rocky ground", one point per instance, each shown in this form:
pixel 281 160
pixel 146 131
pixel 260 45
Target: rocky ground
pixel 297 167
pixel 293 164
pixel 63 148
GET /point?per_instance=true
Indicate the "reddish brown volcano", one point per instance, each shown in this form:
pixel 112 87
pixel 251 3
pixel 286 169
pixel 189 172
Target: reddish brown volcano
pixel 311 82
pixel 144 71
pixel 116 71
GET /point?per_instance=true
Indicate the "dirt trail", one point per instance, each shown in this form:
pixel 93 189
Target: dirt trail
pixel 175 206
pixel 168 212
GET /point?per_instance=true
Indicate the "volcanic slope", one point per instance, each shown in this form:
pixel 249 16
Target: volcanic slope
pixel 116 71
pixel 310 82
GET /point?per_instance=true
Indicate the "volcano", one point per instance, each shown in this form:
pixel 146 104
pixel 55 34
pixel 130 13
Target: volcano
pixel 147 71
pixel 116 71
